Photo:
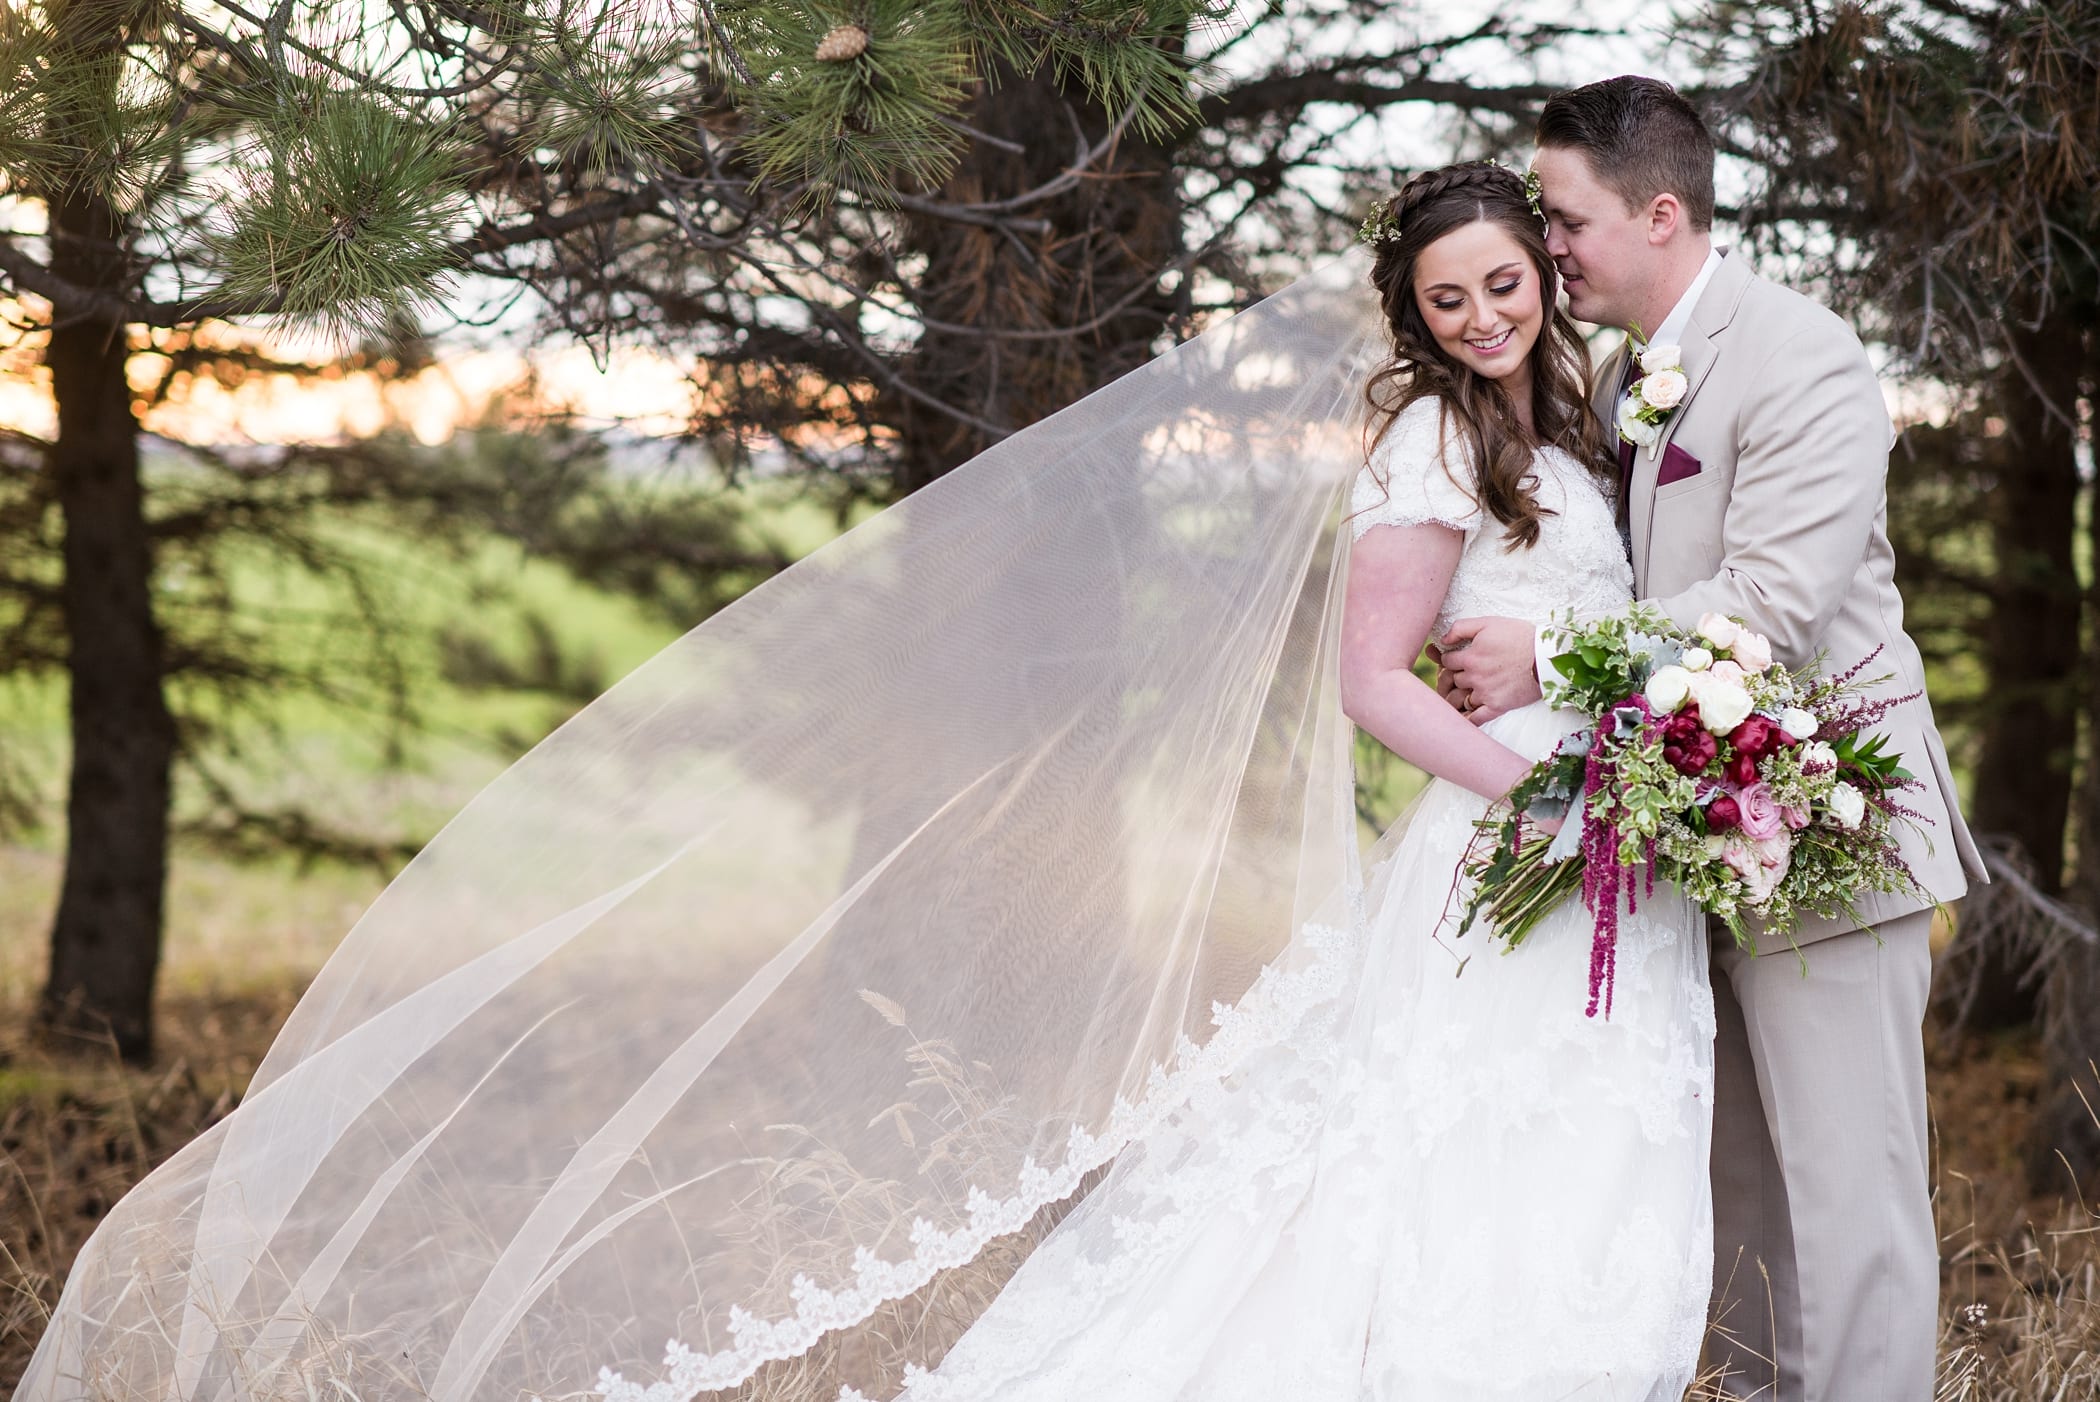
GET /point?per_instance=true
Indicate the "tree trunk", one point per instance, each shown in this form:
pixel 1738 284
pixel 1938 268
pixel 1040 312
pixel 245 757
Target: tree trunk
pixel 2067 1132
pixel 2031 646
pixel 1106 242
pixel 106 941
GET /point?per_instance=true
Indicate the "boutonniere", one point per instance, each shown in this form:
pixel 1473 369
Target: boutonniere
pixel 1655 396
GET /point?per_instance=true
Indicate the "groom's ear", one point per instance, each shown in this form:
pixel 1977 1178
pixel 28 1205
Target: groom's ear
pixel 1666 218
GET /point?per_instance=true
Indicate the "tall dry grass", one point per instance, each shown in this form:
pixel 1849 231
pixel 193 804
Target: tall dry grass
pixel 2021 1296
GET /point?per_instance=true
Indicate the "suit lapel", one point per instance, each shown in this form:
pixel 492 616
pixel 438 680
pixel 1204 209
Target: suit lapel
pixel 1605 388
pixel 1604 397
pixel 1716 308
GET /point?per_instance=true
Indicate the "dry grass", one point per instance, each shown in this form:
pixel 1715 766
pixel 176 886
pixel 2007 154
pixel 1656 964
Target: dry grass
pixel 2022 1275
pixel 74 1136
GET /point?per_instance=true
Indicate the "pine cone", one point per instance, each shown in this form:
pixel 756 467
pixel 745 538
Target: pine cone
pixel 847 41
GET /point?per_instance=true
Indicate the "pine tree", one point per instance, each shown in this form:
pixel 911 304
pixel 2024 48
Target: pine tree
pixel 347 167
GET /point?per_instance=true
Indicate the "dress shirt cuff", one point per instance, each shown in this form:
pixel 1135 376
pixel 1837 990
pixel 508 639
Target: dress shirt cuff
pixel 1544 646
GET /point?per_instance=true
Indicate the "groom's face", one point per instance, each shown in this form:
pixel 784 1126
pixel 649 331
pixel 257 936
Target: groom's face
pixel 1606 258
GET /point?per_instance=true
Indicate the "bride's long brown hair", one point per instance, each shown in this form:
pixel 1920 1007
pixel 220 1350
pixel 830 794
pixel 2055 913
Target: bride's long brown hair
pixel 1479 409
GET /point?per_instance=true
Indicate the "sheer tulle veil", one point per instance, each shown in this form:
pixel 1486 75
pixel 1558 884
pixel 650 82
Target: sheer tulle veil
pixel 831 946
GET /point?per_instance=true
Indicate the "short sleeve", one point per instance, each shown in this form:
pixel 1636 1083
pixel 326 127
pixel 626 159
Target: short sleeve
pixel 1406 482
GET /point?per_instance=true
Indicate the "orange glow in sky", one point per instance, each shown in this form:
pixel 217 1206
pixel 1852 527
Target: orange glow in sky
pixel 645 391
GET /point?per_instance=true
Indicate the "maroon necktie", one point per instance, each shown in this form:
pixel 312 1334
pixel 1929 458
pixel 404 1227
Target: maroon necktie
pixel 1625 448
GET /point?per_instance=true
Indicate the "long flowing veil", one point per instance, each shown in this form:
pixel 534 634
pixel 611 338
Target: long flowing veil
pixel 832 945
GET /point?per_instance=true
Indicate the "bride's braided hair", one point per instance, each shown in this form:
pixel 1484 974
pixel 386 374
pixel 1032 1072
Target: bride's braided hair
pixel 1474 408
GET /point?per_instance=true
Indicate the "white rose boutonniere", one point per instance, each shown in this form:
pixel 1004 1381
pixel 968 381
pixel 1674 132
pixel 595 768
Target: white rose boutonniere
pixel 1658 358
pixel 1633 428
pixel 1656 395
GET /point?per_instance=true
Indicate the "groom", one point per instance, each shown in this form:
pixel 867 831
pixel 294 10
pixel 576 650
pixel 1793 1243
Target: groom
pixel 1762 496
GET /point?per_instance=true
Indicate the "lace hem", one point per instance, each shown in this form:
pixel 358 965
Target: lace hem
pixel 1266 1015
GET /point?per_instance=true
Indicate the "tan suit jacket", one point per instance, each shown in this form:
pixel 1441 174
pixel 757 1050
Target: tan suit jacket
pixel 1784 525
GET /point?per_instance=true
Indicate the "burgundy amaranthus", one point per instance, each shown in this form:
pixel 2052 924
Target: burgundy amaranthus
pixel 1604 878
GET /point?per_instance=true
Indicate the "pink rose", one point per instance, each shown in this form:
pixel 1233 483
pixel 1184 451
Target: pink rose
pixel 1760 866
pixel 1726 671
pixel 1795 818
pixel 1751 651
pixel 1760 812
pixel 1774 855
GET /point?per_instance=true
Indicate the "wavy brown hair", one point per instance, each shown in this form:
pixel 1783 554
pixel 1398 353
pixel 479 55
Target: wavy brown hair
pixel 1478 408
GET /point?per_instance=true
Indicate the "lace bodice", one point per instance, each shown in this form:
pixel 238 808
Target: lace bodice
pixel 1578 562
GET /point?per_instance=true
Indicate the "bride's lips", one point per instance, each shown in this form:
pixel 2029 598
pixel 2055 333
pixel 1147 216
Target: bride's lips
pixel 1494 344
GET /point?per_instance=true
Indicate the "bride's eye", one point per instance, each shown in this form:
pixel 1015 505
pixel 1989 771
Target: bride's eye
pixel 1447 306
pixel 1507 288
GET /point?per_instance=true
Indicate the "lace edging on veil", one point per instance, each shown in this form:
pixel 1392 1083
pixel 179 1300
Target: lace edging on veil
pixel 1268 1014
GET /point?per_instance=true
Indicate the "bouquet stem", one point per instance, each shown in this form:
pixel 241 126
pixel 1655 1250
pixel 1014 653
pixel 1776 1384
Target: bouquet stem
pixel 1528 890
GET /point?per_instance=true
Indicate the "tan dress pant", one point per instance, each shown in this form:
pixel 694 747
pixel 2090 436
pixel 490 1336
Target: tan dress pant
pixel 1826 1257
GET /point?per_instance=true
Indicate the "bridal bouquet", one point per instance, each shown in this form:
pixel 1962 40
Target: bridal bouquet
pixel 1755 789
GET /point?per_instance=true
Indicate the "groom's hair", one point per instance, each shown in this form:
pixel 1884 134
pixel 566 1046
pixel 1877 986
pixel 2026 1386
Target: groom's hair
pixel 1642 139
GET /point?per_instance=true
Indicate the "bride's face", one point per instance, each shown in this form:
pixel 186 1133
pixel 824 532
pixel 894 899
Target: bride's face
pixel 1479 294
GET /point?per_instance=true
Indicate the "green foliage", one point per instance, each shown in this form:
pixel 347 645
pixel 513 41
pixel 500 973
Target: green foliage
pixel 860 122
pixel 349 213
pixel 80 113
pixel 605 90
pixel 863 97
pixel 318 160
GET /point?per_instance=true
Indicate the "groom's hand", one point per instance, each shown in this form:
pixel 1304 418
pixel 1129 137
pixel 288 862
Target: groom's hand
pixel 1490 664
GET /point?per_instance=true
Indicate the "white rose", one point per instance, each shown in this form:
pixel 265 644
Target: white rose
pixel 1654 358
pixel 1667 689
pixel 1631 428
pixel 1697 659
pixel 1753 651
pixel 1816 757
pixel 1716 629
pixel 1722 704
pixel 1665 388
pixel 1848 806
pixel 1800 724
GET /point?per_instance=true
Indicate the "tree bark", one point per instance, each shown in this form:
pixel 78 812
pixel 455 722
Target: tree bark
pixel 106 939
pixel 2067 1132
pixel 1107 241
pixel 2031 647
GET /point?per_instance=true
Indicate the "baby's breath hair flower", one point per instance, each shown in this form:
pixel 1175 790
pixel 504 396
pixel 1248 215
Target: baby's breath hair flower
pixel 1379 225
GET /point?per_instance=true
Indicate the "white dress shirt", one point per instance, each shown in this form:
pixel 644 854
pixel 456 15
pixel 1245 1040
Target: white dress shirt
pixel 1671 332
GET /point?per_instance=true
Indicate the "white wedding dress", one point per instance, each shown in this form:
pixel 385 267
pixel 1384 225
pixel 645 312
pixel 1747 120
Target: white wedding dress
pixel 1433 1187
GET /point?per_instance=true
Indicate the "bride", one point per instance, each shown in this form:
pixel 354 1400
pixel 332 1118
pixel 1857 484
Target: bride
pixel 1440 1187
pixel 1002 849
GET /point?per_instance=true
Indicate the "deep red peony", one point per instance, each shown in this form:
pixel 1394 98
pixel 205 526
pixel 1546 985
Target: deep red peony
pixel 1757 737
pixel 1723 813
pixel 1687 746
